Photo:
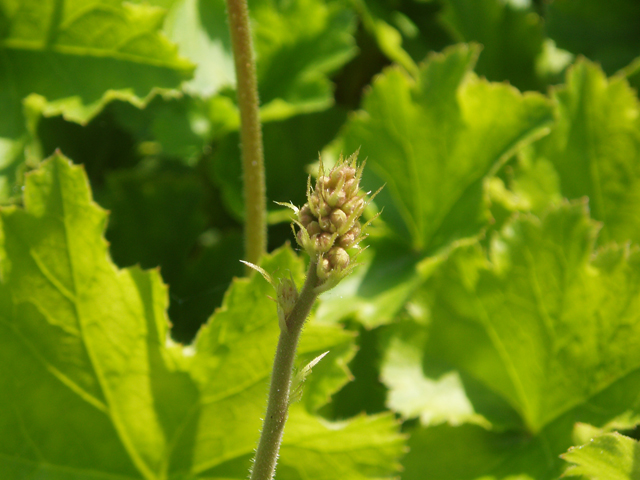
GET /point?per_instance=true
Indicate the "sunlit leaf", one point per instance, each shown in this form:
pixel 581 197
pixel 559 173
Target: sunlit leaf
pixel 98 390
pixel 611 456
pixel 543 325
pixel 297 45
pixel 435 139
pixel 99 50
pixel 595 148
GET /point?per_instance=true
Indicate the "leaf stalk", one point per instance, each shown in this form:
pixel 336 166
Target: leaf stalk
pixel 255 226
pixel 264 464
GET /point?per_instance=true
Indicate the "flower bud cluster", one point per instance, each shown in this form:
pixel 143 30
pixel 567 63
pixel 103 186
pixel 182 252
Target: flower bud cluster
pixel 329 221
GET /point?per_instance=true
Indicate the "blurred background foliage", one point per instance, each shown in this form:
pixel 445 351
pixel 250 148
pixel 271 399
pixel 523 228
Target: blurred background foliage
pixel 169 172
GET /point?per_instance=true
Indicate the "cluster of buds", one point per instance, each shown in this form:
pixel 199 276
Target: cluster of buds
pixel 329 231
pixel 329 223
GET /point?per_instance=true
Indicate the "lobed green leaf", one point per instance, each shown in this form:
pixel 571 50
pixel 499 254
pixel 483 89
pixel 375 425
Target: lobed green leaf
pixel 612 456
pixel 595 148
pixel 436 138
pixel 542 328
pixel 99 50
pixel 98 390
pixel 435 141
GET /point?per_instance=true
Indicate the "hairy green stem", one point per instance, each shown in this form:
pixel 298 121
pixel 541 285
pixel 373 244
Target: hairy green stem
pixel 266 458
pixel 255 228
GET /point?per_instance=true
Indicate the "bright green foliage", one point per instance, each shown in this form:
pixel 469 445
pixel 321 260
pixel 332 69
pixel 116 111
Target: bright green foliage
pixel 435 139
pixel 12 155
pixel 471 453
pixel 200 29
pixel 574 333
pixel 100 49
pixel 377 290
pixel 611 456
pixel 311 448
pixel 298 45
pixel 595 148
pixel 96 388
pixel 411 393
pixel 535 182
pixel 310 37
pixel 495 313
pixel 541 328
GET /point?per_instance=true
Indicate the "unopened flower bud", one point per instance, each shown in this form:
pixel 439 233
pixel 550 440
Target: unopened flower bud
pixel 338 220
pixel 300 238
pixel 305 216
pixel 314 204
pixel 326 225
pixel 351 187
pixel 324 208
pixel 323 269
pixel 349 239
pixel 322 182
pixel 329 223
pixel 338 258
pixel 314 228
pixel 336 175
pixel 356 204
pixel 349 173
pixel 336 198
pixel 323 242
pixel 356 229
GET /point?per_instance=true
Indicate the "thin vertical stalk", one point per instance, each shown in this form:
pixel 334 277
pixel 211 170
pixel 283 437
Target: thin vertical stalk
pixel 250 131
pixel 275 419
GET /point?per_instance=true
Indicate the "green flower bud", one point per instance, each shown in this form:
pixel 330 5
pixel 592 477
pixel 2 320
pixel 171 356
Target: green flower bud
pixel 314 205
pixel 354 206
pixel 351 187
pixel 349 173
pixel 305 216
pixel 350 238
pixel 300 238
pixel 314 229
pixel 326 225
pixel 338 258
pixel 337 175
pixel 306 242
pixel 324 208
pixel 322 182
pixel 339 220
pixel 337 198
pixel 323 242
pixel 323 269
